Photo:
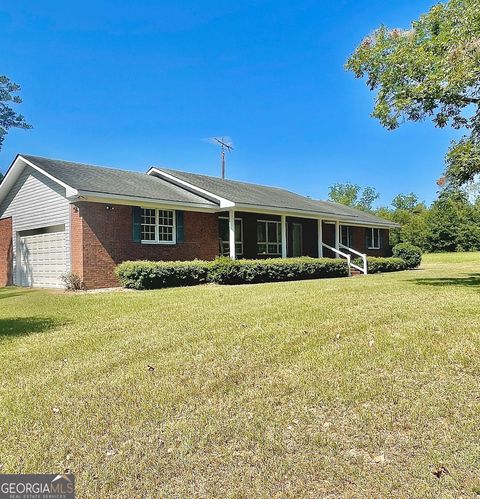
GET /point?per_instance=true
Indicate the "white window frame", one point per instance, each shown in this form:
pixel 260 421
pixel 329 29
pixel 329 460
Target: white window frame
pixel 226 243
pixel 157 227
pixel 376 240
pixel 349 242
pixel 267 242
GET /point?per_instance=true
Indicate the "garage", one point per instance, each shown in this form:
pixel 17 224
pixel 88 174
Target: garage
pixel 42 257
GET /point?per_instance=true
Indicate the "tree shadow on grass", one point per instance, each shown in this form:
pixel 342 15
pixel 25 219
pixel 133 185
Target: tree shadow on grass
pixel 10 295
pixel 470 280
pixel 22 326
pixel 10 292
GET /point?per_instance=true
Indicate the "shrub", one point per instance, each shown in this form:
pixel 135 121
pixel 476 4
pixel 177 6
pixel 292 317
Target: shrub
pixel 412 255
pixel 377 264
pixel 226 271
pixel 154 275
pixel 72 281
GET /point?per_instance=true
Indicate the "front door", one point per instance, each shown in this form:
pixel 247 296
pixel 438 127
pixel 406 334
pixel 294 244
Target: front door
pixel 297 240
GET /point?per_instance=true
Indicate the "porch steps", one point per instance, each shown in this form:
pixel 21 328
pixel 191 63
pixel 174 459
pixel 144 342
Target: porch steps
pixel 355 273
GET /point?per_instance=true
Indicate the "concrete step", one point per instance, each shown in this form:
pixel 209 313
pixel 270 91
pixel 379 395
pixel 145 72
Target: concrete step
pixel 355 273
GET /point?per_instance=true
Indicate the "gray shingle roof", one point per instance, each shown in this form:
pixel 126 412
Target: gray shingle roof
pixel 244 193
pixel 130 184
pixel 117 182
pixel 348 212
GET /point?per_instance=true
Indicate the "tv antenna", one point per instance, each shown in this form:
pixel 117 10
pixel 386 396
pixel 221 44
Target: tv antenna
pixel 225 144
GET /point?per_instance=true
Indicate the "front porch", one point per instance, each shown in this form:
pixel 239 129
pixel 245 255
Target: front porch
pixel 260 235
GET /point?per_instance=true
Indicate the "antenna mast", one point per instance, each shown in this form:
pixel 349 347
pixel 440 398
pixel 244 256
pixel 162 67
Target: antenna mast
pixel 225 144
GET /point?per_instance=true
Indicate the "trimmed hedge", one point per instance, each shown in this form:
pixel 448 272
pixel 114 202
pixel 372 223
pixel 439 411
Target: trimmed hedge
pixel 412 255
pixel 226 271
pixel 154 275
pixel 378 264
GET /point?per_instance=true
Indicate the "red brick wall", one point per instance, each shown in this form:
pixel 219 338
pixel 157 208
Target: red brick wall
pixel 6 252
pixel 359 241
pixel 309 236
pixel 76 241
pixel 250 231
pixel 102 238
pixel 249 220
pixel 328 234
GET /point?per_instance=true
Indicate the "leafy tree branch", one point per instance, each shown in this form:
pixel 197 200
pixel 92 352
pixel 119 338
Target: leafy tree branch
pixel 9 118
pixel 430 71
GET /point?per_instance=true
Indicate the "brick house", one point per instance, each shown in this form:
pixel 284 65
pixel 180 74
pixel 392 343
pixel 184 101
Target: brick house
pixel 58 216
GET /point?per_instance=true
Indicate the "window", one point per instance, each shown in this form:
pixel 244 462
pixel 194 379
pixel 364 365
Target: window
pixel 158 226
pixel 373 238
pixel 269 238
pixel 43 230
pixel 346 236
pixel 223 229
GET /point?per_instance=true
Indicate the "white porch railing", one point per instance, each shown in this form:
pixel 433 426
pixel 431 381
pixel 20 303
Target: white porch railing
pixel 341 253
pixel 348 257
pixel 363 269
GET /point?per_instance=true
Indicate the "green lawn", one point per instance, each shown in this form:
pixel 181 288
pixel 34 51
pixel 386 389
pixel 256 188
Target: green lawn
pixel 363 387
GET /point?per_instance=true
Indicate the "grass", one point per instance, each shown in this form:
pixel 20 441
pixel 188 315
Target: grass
pixel 365 387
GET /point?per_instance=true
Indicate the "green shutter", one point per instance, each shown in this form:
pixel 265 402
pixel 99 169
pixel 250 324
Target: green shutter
pixel 136 224
pixel 180 226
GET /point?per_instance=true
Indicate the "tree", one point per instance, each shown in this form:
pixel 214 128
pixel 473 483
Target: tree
pixel 453 223
pixel 415 231
pixel 9 118
pixel 353 195
pixel 367 198
pixel 406 202
pixel 411 214
pixel 430 71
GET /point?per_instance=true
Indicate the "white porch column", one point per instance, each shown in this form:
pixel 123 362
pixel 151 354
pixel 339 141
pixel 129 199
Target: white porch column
pixel 320 237
pixel 284 235
pixel 337 237
pixel 231 233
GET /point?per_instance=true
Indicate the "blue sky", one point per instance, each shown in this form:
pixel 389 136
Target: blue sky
pixel 135 84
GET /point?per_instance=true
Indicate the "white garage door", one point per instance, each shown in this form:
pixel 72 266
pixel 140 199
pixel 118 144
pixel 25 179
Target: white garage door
pixel 43 259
